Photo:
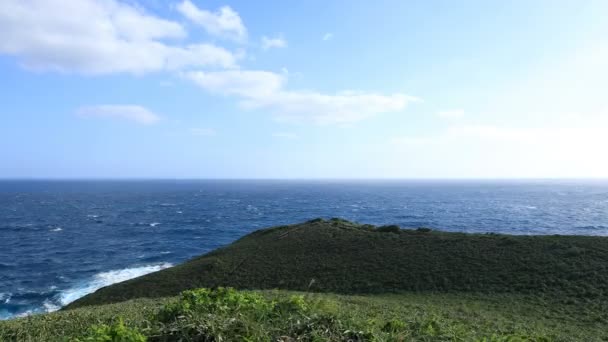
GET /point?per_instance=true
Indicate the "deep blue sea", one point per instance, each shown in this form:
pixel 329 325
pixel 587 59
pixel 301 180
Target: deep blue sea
pixel 60 240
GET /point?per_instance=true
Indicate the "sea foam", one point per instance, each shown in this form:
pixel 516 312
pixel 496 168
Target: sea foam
pixel 107 278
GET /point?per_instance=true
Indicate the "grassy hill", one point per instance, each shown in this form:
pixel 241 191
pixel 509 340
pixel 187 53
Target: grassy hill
pixel 344 257
pixel 357 283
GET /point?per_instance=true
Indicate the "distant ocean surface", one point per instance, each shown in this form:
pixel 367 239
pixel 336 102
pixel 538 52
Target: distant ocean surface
pixel 60 240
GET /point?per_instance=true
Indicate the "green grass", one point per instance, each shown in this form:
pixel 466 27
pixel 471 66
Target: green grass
pixel 270 315
pixel 343 257
pixel 359 283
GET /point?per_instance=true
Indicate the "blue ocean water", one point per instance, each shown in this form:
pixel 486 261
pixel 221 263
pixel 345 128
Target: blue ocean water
pixel 60 240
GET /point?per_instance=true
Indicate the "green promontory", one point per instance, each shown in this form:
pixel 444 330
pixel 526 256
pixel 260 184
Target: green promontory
pixel 344 257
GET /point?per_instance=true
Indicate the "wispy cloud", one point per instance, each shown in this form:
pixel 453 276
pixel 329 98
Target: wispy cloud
pixel 98 37
pixel 277 42
pixel 264 89
pixel 327 36
pixel 133 113
pixel 223 23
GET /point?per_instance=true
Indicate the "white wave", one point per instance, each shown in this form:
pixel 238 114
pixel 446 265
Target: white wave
pixel 107 278
pixel 179 212
pixel 24 314
pixel 49 306
pixel 58 229
pixel 5 297
pixel 154 224
pixel 93 216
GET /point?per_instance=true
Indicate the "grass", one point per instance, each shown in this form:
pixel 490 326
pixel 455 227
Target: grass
pixel 277 315
pixel 359 283
pixel 343 257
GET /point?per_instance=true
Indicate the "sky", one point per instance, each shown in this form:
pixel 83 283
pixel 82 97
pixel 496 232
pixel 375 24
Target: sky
pixel 310 89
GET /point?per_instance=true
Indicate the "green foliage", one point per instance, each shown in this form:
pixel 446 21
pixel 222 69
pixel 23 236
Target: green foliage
pixel 368 227
pixel 225 314
pixel 113 333
pixel 389 229
pixel 423 229
pixel 394 326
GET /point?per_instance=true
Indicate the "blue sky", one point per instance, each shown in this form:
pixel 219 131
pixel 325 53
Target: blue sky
pixel 316 89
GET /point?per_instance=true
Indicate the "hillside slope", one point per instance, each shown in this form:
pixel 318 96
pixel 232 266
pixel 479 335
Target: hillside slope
pixel 344 257
pixel 244 316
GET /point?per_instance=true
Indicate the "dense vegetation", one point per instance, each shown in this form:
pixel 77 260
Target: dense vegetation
pixel 228 315
pixel 358 283
pixel 344 257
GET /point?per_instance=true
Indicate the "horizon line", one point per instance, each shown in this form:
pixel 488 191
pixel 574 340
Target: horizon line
pixel 302 179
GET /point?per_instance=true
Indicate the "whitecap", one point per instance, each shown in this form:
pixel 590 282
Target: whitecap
pixel 58 229
pixel 154 224
pixel 179 212
pixel 24 314
pixel 103 279
pixel 166 252
pixel 5 297
pixel 49 306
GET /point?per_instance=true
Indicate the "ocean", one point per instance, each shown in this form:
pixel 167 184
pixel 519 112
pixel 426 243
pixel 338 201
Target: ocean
pixel 60 240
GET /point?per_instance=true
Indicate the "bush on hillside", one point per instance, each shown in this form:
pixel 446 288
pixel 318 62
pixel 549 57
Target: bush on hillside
pixel 393 228
pixel 113 333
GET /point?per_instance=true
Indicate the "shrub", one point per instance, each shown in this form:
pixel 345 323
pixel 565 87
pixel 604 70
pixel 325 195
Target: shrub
pixel 220 300
pixel 393 228
pixel 113 333
pixel 224 314
pixel 369 227
pixel 423 229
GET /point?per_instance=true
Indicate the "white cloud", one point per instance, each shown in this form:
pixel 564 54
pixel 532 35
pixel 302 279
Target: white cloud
pixel 327 36
pixel 277 42
pixel 263 89
pixel 134 113
pixel 285 135
pixel 246 84
pixel 203 132
pixel 453 114
pixel 224 23
pixel 98 37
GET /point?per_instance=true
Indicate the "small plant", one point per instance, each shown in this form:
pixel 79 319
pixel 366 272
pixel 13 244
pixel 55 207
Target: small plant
pixel 393 228
pixel 423 229
pixel 113 333
pixel 394 326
